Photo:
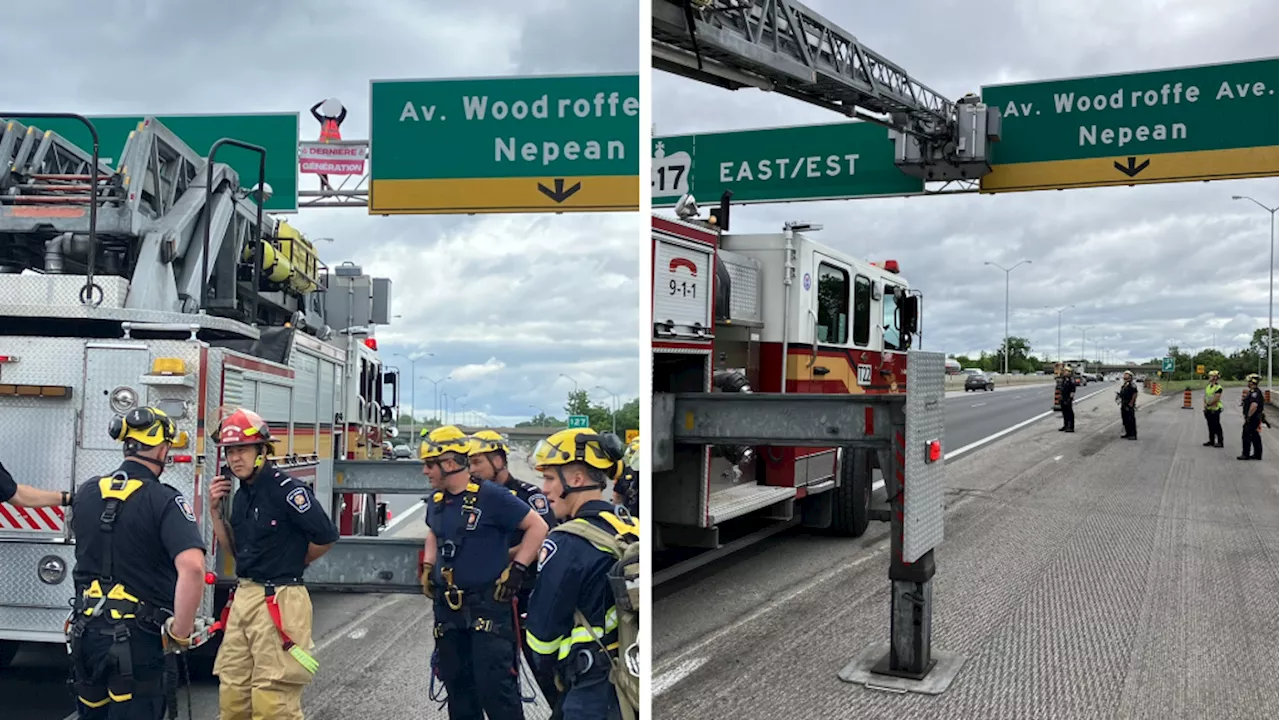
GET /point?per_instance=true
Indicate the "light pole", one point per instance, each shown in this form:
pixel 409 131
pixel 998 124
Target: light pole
pixel 1083 330
pixel 435 392
pixel 413 387
pixel 615 406
pixel 1059 311
pixel 1006 307
pixel 575 382
pixel 1271 280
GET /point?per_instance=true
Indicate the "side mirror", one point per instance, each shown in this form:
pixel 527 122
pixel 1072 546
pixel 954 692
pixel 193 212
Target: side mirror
pixel 387 416
pixel 911 314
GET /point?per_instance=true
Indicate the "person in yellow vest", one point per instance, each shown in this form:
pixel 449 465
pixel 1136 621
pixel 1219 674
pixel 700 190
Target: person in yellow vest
pixel 1213 409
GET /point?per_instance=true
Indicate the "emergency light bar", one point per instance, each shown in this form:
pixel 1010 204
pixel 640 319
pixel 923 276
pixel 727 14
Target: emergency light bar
pixel 891 266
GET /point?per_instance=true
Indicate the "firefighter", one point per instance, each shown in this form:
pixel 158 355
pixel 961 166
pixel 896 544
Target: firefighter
pixel 473 579
pixel 1067 400
pixel 626 491
pixel 1213 409
pixel 1251 437
pixel 1128 407
pixel 573 619
pixel 276 529
pixel 138 575
pixel 25 496
pixel 489 455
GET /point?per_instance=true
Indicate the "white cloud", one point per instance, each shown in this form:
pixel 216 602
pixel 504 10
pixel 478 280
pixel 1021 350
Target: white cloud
pixel 504 303
pixel 1143 266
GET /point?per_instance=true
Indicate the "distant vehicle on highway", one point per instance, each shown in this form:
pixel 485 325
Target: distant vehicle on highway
pixel 979 381
pixel 403 452
pixel 953 366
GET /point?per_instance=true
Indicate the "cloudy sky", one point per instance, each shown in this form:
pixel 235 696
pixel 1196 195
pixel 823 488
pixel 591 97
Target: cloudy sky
pixel 1143 266
pixel 505 303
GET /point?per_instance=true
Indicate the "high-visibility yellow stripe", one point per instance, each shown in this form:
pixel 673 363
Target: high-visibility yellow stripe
pixel 542 647
pixel 95 704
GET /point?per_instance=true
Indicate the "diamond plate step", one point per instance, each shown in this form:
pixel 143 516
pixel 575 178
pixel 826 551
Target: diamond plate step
pixel 738 500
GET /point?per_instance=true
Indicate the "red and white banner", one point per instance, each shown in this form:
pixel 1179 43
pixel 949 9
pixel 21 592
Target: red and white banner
pixel 333 158
pixel 40 519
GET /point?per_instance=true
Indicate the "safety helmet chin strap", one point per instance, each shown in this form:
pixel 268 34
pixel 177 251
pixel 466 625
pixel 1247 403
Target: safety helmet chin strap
pixel 566 489
pixel 463 467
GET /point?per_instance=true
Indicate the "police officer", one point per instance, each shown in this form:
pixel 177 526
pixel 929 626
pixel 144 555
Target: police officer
pixel 1067 398
pixel 25 496
pixel 473 578
pixel 1128 407
pixel 275 530
pixel 1213 409
pixel 573 575
pixel 489 461
pixel 626 490
pixel 1251 437
pixel 138 575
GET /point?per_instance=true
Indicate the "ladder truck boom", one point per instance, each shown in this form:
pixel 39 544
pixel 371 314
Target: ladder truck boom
pixel 783 46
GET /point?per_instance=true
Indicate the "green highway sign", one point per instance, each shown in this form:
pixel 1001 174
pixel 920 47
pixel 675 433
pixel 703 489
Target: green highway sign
pixel 1209 122
pixel 810 162
pixel 1166 365
pixel 579 421
pixel 277 132
pixel 514 144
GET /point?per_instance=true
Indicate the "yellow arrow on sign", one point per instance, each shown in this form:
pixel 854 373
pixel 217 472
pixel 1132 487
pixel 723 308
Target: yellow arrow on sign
pixel 601 193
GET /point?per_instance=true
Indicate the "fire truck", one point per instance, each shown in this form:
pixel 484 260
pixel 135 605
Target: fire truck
pixel 160 281
pixel 768 313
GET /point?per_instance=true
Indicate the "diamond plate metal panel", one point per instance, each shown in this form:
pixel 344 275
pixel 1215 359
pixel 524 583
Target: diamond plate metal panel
pixel 924 480
pixel 108 366
pixel 46 291
pixel 22 585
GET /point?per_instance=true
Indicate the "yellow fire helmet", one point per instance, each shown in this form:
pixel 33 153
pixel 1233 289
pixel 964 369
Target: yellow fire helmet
pixel 146 425
pixel 1213 373
pixel 1253 378
pixel 632 457
pixel 583 445
pixel 488 441
pixel 444 439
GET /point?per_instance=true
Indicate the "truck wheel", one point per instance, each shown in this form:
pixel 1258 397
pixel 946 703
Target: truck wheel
pixel 851 501
pixel 8 649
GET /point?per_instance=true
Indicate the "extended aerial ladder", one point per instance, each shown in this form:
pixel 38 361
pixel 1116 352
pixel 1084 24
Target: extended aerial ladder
pixel 782 46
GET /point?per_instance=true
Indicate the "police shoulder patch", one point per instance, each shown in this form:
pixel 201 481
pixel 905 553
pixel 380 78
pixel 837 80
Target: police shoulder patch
pixel 547 551
pixel 299 500
pixel 185 507
pixel 538 502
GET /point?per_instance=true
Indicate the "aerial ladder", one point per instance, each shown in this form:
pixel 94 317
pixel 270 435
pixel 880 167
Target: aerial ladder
pixel 784 47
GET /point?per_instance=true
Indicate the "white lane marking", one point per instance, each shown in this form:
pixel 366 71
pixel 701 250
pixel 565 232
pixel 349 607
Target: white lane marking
pixel 977 405
pixel 996 436
pixel 1056 458
pixel 404 515
pixel 358 633
pixel 662 682
pixel 690 653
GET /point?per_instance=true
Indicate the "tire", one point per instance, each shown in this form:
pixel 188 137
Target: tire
pixel 851 501
pixel 8 649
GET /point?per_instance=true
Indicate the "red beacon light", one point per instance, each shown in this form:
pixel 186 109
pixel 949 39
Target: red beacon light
pixel 371 343
pixel 891 266
pixel 935 451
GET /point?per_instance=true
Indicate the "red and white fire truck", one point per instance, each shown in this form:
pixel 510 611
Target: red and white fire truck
pixel 767 313
pixel 149 286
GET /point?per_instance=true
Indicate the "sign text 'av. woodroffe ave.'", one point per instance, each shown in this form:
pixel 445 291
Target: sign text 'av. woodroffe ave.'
pixel 521 144
pixel 1208 122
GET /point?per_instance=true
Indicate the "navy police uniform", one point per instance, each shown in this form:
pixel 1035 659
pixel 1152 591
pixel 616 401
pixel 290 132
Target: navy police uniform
pixel 475 634
pixel 129 528
pixel 8 486
pixel 573 574
pixel 531 495
pixel 1251 436
pixel 273 520
pixel 1067 396
pixel 1128 415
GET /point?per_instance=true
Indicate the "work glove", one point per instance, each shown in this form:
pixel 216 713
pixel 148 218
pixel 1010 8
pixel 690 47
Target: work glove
pixel 172 643
pixel 428 588
pixel 509 581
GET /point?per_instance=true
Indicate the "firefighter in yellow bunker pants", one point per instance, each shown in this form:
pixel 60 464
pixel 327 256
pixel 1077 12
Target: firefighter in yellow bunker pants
pixel 276 529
